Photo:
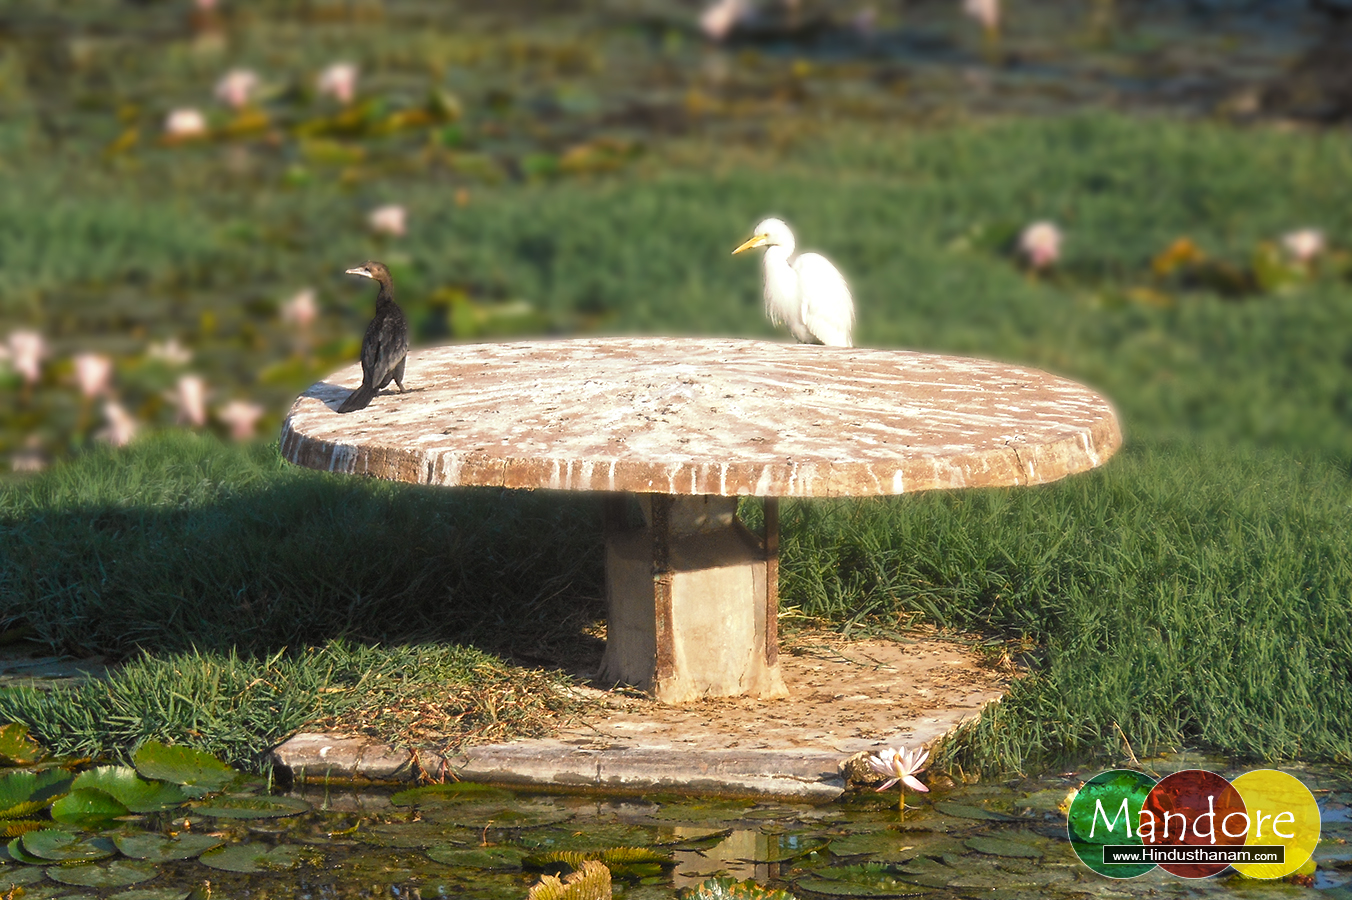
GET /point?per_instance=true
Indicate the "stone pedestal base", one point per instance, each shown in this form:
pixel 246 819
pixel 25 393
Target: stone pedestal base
pixel 693 599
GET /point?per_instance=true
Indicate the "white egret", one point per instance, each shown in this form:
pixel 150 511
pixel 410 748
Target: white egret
pixel 808 294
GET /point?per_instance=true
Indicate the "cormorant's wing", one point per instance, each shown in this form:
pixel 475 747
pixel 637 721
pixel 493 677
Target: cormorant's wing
pixel 828 308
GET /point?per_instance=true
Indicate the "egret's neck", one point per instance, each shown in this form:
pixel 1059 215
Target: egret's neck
pixel 781 286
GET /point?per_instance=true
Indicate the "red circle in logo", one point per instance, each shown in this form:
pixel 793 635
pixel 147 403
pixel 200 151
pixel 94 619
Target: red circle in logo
pixel 1190 809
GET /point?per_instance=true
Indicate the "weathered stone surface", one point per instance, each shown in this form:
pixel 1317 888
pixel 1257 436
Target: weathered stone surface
pixel 781 773
pixel 340 757
pixel 705 416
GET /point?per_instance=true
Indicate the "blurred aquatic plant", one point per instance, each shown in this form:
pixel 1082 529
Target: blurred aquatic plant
pixel 590 882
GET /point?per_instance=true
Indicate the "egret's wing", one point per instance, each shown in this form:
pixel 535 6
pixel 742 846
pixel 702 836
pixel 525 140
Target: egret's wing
pixel 828 308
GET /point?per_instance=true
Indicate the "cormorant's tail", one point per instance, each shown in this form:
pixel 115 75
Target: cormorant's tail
pixel 358 399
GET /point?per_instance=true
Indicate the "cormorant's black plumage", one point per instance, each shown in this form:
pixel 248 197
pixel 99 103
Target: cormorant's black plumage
pixel 385 346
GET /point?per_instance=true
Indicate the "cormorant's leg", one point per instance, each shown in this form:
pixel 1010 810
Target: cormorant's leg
pixel 399 374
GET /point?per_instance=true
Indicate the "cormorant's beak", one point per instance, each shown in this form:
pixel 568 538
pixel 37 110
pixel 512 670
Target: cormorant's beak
pixel 757 241
pixel 360 270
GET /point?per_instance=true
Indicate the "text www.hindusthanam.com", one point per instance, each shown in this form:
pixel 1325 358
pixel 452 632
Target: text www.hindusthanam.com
pixel 1128 854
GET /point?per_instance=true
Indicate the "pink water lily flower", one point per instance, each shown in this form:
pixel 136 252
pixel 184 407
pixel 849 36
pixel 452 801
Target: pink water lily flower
pixel 241 416
pixel 718 21
pixel 190 397
pixel 1040 244
pixel 301 309
pixel 185 124
pixel 25 352
pixel 121 426
pixel 1304 245
pixel 93 373
pixel 900 764
pixel 391 219
pixel 236 88
pixel 339 81
pixel 986 12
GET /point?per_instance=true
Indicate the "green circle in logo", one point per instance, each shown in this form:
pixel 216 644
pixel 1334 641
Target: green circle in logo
pixel 1107 812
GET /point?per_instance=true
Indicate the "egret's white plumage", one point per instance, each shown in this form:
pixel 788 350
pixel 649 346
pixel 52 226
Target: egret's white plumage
pixel 807 294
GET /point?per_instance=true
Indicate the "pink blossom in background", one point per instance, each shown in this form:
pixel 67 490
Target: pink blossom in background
pixel 93 373
pixel 391 219
pixel 236 87
pixel 205 5
pixel 121 426
pixel 182 124
pixel 1304 245
pixel 170 352
pixel 986 12
pixel 718 21
pixel 301 310
pixel 339 81
pixel 1040 244
pixel 190 396
pixel 241 416
pixel 26 350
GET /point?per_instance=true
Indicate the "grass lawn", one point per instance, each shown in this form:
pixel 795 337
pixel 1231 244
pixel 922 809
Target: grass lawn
pixel 1196 591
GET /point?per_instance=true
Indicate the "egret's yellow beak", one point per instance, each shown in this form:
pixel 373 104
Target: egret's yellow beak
pixel 360 270
pixel 757 241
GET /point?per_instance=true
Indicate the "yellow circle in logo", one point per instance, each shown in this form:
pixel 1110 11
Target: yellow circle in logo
pixel 1282 811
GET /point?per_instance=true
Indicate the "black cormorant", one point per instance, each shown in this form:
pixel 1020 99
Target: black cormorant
pixel 385 346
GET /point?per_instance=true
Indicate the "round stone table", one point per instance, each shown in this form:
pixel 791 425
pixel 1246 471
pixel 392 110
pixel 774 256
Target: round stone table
pixel 687 426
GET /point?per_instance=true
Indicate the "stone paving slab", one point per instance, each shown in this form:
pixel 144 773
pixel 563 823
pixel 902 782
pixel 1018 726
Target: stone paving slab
pixel 845 697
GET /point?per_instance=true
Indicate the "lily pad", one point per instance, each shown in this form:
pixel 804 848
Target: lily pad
pixel 24 793
pixel 17 876
pixel 15 852
pixel 16 747
pixel 87 808
pixel 248 806
pixel 455 792
pixel 118 873
pixel 500 858
pixel 1003 847
pixel 415 835
pixel 858 881
pixel 62 846
pixel 963 811
pixel 158 848
pixel 136 794
pixel 498 816
pixel 927 872
pixel 707 811
pixel 151 894
pixel 628 862
pixel 871 843
pixel 594 837
pixel 196 771
pixel 249 858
